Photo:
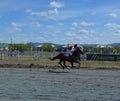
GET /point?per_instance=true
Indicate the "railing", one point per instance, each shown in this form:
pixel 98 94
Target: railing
pixel 27 54
pixel 103 57
pixel 45 54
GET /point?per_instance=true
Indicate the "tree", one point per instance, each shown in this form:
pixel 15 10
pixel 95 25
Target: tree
pixel 20 47
pixel 48 47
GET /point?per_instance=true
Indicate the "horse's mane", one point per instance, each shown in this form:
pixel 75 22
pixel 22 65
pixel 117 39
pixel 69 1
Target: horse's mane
pixel 77 51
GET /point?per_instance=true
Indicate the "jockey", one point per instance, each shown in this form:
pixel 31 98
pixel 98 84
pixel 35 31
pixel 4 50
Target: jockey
pixel 70 50
pixel 74 48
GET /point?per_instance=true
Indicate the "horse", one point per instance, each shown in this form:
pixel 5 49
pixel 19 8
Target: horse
pixel 71 59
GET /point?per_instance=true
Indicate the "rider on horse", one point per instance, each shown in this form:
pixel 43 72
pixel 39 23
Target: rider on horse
pixel 70 57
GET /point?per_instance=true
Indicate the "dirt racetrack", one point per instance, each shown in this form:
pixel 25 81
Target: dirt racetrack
pixel 21 84
pixel 44 80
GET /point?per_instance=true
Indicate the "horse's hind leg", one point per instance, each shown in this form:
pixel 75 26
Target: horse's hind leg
pixel 79 64
pixel 64 62
pixel 72 63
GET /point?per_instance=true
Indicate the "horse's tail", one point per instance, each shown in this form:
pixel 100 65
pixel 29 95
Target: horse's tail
pixel 54 58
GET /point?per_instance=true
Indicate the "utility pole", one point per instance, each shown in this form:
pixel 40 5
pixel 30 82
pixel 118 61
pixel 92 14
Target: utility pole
pixel 11 41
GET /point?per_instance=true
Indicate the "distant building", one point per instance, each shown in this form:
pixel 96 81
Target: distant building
pixel 3 46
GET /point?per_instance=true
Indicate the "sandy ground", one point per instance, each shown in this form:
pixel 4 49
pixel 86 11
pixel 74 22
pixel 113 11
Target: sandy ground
pixel 46 63
pixel 20 84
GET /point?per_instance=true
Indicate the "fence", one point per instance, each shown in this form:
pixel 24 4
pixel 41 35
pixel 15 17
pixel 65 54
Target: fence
pixel 44 54
pixel 103 57
pixel 28 54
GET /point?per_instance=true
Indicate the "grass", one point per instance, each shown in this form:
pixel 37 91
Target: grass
pixel 101 64
pixel 47 62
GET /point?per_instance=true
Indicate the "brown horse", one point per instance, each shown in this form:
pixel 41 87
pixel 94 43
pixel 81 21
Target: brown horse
pixel 71 59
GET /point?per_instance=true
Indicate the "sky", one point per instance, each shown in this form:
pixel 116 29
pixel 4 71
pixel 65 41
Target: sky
pixel 60 21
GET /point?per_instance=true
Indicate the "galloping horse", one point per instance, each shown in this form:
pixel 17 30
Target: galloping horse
pixel 71 59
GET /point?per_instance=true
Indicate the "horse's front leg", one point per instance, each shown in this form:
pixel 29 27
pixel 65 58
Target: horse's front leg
pixel 61 64
pixel 79 64
pixel 64 63
pixel 77 61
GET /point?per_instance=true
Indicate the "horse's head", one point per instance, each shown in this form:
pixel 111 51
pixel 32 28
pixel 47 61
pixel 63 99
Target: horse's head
pixel 77 51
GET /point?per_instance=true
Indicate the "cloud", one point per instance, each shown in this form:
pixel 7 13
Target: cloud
pixel 84 23
pixel 14 24
pixel 40 38
pixel 55 4
pixel 15 27
pixel 36 24
pixel 113 28
pixel 113 15
pixel 112 25
pixel 84 31
pixel 14 30
pixel 69 34
pixel 75 24
pixel 54 11
pixel 47 14
pixel 28 11
pixel 118 32
pixel 50 13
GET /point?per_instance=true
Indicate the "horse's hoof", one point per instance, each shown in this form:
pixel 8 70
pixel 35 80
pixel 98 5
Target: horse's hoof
pixel 68 67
